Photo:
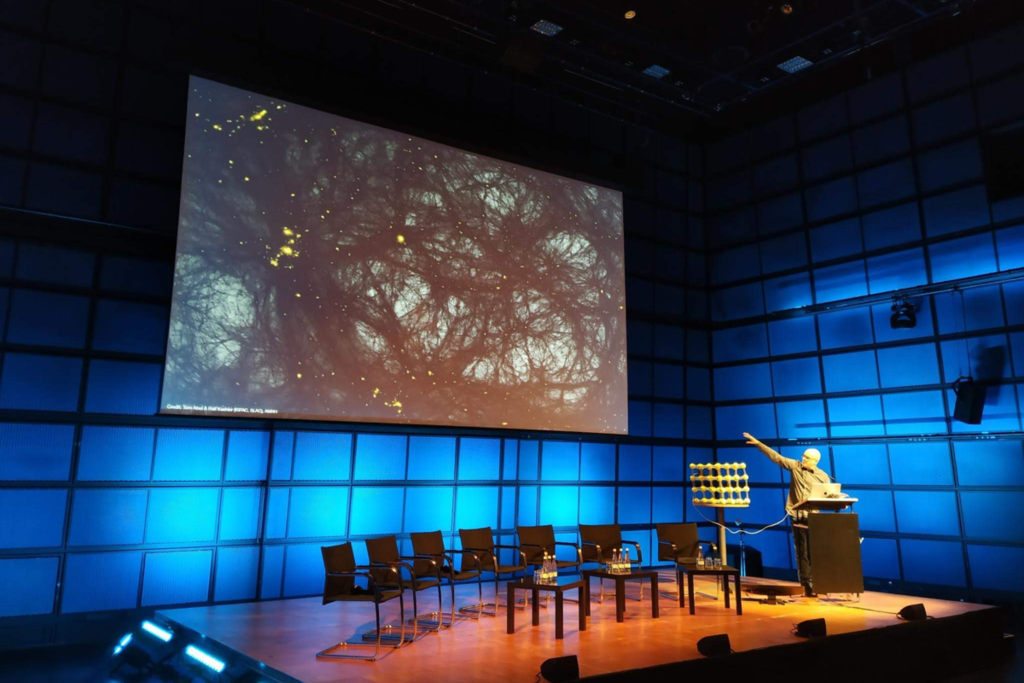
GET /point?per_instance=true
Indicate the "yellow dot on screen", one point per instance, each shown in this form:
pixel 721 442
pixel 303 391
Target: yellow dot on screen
pixel 246 178
pixel 298 295
pixel 401 239
pixel 299 375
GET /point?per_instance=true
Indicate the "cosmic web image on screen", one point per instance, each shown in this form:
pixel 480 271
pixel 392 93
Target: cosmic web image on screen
pixel 329 269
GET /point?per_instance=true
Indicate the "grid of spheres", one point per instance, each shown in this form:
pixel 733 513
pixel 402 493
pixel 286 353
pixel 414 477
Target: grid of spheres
pixel 720 484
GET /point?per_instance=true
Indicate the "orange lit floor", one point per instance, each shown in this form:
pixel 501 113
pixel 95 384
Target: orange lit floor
pixel 286 634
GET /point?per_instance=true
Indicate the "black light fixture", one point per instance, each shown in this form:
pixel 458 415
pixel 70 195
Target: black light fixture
pixel 913 613
pixel 561 669
pixel 904 314
pixel 714 646
pixel 812 628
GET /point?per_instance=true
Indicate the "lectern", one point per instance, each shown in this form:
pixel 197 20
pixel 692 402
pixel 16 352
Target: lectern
pixel 835 546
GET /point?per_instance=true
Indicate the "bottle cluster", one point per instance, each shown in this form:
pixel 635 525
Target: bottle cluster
pixel 620 562
pixel 548 572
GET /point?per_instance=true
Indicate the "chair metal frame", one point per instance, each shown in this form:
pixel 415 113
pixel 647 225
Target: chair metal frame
pixel 430 625
pixel 447 556
pixel 476 552
pixel 371 583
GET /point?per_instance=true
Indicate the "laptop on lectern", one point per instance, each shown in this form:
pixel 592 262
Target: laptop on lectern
pixel 825 490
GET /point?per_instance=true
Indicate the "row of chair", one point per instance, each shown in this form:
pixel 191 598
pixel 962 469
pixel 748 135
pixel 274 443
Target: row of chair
pixel 431 565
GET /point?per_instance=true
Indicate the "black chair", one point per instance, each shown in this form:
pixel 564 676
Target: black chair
pixel 599 541
pixel 535 541
pixel 429 545
pixel 340 585
pixel 483 558
pixel 383 552
pixel 678 543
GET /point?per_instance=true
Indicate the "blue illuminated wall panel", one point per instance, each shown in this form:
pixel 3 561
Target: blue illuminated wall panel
pixel 380 456
pixel 597 505
pixel 559 505
pixel 321 511
pixel 47 319
pixel 597 462
pixel 31 382
pixel 115 453
pixel 322 456
pixel 173 578
pixel 375 511
pixel 101 581
pixel 247 455
pixel 123 388
pixel 479 459
pixel 634 463
pixel 33 518
pixel 29 585
pixel 634 505
pixel 429 508
pixel 560 460
pixel 239 514
pixel 236 573
pixel 108 517
pixel 304 570
pixel 188 455
pixel 433 457
pixel 477 506
pixel 146 334
pixel 35 452
pixel 937 562
pixel 180 515
pixel 996 568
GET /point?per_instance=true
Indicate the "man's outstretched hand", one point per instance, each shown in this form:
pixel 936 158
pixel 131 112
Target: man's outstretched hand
pixel 751 441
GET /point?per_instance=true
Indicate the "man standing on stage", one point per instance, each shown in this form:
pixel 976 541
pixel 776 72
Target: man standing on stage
pixel 803 473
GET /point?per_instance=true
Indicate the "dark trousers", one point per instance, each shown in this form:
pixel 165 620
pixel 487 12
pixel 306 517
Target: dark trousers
pixel 802 543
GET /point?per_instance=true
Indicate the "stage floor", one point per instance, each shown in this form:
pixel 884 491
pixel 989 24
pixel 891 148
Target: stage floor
pixel 286 634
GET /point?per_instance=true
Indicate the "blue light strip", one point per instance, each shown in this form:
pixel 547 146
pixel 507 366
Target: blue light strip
pixel 155 630
pixel 200 656
pixel 123 642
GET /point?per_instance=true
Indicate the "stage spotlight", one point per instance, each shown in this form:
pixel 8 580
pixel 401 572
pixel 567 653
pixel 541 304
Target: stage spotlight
pixel 560 669
pixel 154 630
pixel 913 613
pixel 630 14
pixel 812 628
pixel 122 644
pixel 904 314
pixel 714 646
pixel 205 659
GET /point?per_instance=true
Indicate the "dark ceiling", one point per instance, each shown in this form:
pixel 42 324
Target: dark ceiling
pixel 718 54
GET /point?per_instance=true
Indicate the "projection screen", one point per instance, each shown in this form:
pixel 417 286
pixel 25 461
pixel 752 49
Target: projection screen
pixel 328 269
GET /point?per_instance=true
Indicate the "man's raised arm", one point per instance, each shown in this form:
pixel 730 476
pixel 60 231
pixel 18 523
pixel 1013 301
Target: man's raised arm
pixel 777 458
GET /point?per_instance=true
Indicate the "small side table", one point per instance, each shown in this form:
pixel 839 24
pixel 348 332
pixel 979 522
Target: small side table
pixel 620 588
pixel 724 571
pixel 558 587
